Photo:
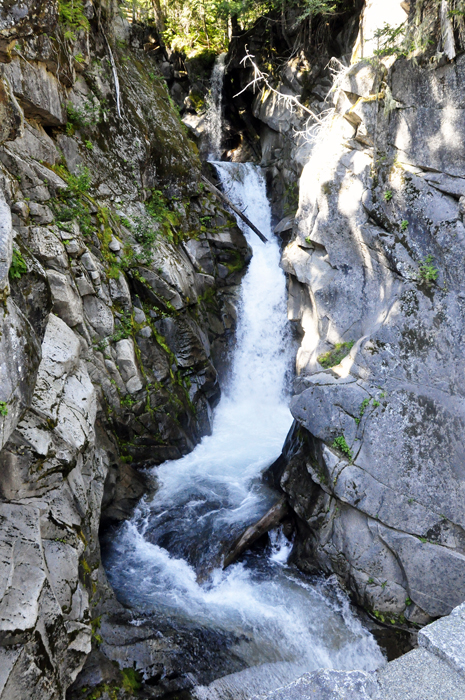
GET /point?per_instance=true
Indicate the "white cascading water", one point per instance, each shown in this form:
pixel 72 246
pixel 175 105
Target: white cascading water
pixel 214 111
pixel 280 616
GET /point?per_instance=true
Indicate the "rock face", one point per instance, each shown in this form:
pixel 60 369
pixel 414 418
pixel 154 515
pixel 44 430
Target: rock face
pixel 118 282
pixel 375 463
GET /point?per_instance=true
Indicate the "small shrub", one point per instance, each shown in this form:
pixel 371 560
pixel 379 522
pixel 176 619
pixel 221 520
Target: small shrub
pixel 71 16
pixel 388 195
pixel 427 273
pixel 146 235
pixel 341 445
pixel 335 356
pixel 85 116
pixel 18 267
pixel 156 206
pixel 363 408
pixel 81 183
pixel 3 408
pixel 125 328
pixel 128 401
pixel 404 225
pixel 113 272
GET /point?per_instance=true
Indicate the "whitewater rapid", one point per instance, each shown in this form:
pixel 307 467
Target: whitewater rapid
pixel 158 562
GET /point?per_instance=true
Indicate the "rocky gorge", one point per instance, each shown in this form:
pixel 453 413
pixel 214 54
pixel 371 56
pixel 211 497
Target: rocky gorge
pixel 120 288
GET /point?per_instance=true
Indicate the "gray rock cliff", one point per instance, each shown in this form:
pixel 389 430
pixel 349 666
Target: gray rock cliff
pixel 375 462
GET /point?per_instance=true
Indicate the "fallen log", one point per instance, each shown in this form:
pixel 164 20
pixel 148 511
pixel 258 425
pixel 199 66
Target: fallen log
pixel 232 206
pixel 266 523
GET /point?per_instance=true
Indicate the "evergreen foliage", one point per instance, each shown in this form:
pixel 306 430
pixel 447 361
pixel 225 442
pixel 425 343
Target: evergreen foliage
pixel 195 27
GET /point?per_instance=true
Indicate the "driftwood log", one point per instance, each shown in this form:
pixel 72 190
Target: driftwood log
pixel 232 206
pixel 268 522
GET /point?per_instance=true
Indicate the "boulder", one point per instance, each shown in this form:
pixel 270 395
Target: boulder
pixel 67 303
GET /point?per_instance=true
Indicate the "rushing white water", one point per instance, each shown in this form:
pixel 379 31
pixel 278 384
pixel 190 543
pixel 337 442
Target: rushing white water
pixel 276 614
pixel 214 111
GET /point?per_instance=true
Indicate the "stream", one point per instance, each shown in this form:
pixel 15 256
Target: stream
pixel 166 561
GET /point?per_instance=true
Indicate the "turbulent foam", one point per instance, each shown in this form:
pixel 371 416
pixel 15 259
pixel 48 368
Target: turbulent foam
pixel 276 614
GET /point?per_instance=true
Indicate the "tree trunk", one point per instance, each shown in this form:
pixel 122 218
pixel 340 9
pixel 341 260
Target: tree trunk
pixel 159 19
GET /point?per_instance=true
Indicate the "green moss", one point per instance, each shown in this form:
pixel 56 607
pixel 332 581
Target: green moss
pixel 95 625
pixel 132 679
pixel 237 264
pixel 336 355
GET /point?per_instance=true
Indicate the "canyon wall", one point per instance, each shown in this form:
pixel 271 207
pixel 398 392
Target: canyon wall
pixel 118 283
pixel 374 465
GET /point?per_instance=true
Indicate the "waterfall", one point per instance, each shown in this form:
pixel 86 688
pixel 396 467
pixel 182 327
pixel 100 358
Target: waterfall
pixel 215 103
pixel 157 562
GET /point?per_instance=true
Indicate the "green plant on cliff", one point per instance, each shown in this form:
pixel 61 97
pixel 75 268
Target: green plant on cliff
pixel 80 183
pixel 18 267
pixel 336 355
pixel 132 679
pixel 72 17
pixel 363 406
pixel 87 115
pixel 427 273
pixel 341 445
pixel 325 8
pixel 3 408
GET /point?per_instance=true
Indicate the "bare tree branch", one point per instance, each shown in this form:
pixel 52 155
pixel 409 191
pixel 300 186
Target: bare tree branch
pixel 260 77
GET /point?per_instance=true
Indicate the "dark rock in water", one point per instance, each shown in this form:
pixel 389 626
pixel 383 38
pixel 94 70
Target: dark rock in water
pixel 269 521
pixel 166 659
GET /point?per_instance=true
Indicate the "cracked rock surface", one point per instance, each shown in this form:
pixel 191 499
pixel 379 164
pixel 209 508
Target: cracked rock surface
pixel 376 261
